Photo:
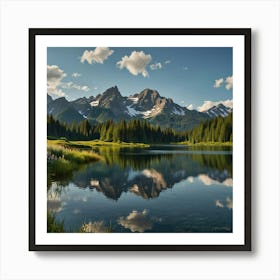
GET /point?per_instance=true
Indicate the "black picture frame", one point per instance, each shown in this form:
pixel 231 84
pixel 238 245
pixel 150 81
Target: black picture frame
pixel 33 33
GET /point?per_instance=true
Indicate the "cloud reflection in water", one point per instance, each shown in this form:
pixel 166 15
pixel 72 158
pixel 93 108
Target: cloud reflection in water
pixel 54 203
pixel 137 221
pixel 220 204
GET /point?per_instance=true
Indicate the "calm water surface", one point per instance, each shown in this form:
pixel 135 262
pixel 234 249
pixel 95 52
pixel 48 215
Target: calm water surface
pixel 160 189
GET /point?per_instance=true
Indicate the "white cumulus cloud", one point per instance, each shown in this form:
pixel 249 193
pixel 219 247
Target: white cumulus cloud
pixel 76 75
pixel 85 88
pixel 55 83
pixel 229 82
pixel 136 63
pixel 208 104
pixel 67 85
pixel 98 55
pixel 71 85
pixel 55 74
pixel 54 78
pixel 218 82
pixel 156 66
pixel 167 61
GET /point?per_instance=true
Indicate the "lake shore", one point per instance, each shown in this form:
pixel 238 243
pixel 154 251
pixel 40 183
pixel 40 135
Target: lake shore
pixel 217 144
pixel 95 143
pixel 63 159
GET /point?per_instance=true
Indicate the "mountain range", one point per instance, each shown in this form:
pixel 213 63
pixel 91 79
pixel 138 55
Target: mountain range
pixel 148 105
pixel 218 110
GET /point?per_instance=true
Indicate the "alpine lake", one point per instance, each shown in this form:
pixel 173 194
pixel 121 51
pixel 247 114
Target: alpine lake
pixel 162 188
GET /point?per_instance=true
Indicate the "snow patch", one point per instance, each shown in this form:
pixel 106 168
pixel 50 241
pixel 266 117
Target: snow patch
pixel 132 112
pixel 214 113
pixel 94 103
pixel 82 113
pixel 151 113
pixel 225 112
pixel 133 99
pixel 147 114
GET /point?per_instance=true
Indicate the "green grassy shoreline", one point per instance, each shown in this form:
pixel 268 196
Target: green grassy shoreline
pixel 95 143
pixel 99 143
pixel 64 157
pixel 218 144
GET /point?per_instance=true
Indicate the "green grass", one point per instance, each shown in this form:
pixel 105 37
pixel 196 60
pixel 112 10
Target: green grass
pixel 227 144
pixel 95 143
pixel 62 167
pixel 63 160
pixel 68 153
pixel 66 156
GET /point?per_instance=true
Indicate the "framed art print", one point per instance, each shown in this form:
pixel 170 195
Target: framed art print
pixel 140 139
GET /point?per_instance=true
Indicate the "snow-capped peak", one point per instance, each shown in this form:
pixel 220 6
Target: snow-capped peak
pixel 218 110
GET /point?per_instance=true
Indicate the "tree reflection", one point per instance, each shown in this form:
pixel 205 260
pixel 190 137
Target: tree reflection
pixel 147 173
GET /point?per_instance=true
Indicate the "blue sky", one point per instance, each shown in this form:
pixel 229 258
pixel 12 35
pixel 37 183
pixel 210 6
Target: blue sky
pixel 189 75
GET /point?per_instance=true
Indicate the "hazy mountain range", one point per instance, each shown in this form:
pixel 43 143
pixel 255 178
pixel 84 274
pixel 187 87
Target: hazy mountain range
pixel 148 104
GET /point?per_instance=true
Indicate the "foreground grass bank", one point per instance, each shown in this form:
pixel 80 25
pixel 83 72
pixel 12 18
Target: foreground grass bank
pixel 54 226
pixel 65 156
pixel 95 143
pixel 218 144
pixel 63 159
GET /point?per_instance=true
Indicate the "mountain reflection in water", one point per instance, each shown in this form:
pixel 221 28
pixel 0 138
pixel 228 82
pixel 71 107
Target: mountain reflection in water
pixel 184 190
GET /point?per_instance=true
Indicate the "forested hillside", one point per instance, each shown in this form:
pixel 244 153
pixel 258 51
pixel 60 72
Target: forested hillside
pixel 141 131
pixel 215 130
pixel 137 131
